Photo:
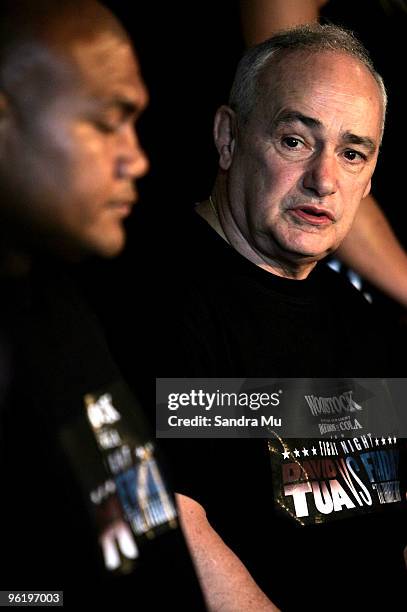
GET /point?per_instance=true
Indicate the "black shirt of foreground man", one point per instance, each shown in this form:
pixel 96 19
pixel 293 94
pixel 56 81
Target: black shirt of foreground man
pixel 85 506
pixel 61 517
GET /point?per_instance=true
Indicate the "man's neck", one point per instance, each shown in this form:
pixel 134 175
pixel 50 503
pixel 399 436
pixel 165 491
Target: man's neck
pixel 232 235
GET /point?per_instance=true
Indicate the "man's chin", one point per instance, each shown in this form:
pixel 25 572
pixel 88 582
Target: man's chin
pixel 306 255
pixel 104 244
pixel 112 249
pixel 310 250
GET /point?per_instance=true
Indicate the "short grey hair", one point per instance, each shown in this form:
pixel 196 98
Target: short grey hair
pixel 312 38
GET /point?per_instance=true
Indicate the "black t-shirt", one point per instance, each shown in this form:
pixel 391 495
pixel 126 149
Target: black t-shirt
pixel 224 316
pixel 77 462
pixel 317 529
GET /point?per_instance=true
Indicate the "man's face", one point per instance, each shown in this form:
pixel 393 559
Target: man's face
pixel 303 162
pixel 68 164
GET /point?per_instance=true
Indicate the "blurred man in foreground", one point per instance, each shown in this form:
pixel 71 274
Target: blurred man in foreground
pixel 85 504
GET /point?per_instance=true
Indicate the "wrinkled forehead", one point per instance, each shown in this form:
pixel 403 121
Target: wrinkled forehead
pixel 318 81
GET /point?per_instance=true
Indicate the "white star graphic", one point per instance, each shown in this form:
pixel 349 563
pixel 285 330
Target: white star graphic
pixel 296 452
pixel 314 450
pixel 305 452
pixel 286 454
pixel 383 441
pixel 377 441
pixel 389 440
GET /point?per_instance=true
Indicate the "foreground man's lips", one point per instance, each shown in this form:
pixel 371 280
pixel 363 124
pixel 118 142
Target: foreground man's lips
pixel 315 215
pixel 122 206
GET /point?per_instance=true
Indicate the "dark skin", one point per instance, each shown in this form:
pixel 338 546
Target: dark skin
pixel 69 153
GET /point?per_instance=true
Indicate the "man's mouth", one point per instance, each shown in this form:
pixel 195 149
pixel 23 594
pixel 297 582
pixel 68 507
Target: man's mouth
pixel 314 215
pixel 123 206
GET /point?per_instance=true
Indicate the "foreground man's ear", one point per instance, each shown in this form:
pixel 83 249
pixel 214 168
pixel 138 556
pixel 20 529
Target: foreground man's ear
pixel 4 112
pixel 4 105
pixel 224 132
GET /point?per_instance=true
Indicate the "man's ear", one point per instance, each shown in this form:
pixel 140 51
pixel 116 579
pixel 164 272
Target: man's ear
pixel 367 189
pixel 6 120
pixel 3 105
pixel 224 132
pixel 4 111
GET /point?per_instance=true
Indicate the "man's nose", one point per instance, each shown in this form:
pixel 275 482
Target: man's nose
pixel 132 162
pixel 320 176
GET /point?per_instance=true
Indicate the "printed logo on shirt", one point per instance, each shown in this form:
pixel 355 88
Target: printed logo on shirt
pixel 317 480
pixel 332 405
pixel 116 465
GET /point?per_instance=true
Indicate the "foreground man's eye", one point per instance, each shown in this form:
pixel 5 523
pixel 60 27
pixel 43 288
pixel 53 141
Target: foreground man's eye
pixel 105 128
